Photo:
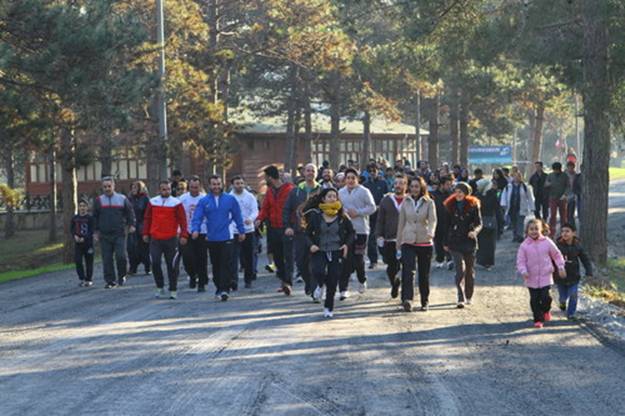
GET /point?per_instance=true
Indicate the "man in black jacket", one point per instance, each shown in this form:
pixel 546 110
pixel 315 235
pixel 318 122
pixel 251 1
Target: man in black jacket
pixel 541 198
pixel 575 191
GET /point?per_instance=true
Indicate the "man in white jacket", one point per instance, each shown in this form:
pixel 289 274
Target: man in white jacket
pixel 246 250
pixel 518 200
pixel 358 204
pixel 194 255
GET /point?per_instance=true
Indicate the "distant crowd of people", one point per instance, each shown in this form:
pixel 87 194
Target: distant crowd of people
pixel 320 225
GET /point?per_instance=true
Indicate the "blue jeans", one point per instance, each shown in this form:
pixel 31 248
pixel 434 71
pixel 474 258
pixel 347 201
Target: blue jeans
pixel 569 293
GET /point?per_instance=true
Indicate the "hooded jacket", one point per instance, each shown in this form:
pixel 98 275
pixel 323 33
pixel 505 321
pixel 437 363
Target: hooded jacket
pixel 461 222
pixel 536 259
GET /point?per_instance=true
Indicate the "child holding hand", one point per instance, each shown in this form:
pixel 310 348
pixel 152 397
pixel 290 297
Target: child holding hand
pixel 535 262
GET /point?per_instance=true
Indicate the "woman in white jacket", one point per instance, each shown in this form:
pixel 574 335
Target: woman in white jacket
pixel 518 201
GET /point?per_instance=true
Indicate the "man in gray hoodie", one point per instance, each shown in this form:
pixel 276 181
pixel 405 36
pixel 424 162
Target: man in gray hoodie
pixel 358 204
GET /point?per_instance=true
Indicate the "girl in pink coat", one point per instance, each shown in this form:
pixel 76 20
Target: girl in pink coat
pixel 535 262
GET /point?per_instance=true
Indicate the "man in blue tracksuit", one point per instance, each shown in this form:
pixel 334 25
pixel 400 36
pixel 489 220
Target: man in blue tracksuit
pixel 219 209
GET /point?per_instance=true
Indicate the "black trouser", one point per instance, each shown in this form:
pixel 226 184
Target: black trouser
pixel 195 259
pixel 372 246
pixel 540 301
pixel 327 269
pixel 297 251
pixel 570 210
pixel 439 245
pixel 411 257
pixel 221 253
pixel 541 207
pixel 138 252
pixel 465 274
pixel 243 253
pixel 276 243
pixel 355 261
pixel 113 245
pixel 168 249
pixel 389 255
pixel 84 251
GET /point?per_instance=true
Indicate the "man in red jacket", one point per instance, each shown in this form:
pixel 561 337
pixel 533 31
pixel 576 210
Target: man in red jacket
pixel 163 218
pixel 271 211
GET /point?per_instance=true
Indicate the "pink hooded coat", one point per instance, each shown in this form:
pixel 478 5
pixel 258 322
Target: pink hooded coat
pixel 535 258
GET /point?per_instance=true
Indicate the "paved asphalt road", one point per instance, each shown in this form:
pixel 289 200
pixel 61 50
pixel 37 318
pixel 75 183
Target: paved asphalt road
pixel 66 350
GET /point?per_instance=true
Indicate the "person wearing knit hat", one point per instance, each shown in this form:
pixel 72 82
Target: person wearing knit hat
pixel 464 187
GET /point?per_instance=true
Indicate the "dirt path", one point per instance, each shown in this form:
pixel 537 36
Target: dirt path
pixel 67 350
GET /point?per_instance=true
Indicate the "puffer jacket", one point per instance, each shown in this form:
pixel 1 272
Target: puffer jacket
pixel 573 254
pixel 417 221
pixel 536 259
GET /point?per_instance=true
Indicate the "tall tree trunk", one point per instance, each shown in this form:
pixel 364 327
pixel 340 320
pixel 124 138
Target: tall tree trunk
pixel 9 168
pixel 307 123
pixel 537 141
pixel 289 164
pixel 454 128
pixel 596 95
pixel 418 148
pixel 70 190
pixel 464 133
pixel 366 139
pixel 335 122
pixel 52 233
pixel 531 116
pixel 433 138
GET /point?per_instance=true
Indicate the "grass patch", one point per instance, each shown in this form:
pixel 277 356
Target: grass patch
pixel 21 274
pixel 617 174
pixel 612 288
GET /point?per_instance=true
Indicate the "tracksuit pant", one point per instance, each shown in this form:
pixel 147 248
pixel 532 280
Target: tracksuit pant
pixel 169 250
pixel 372 246
pixel 355 261
pixel 83 257
pixel 465 274
pixel 243 253
pixel 415 258
pixel 220 253
pixel 297 253
pixel 540 302
pixel 138 252
pixel 276 245
pixel 327 268
pixel 195 260
pixel 113 246
pixel 389 255
pixel 555 206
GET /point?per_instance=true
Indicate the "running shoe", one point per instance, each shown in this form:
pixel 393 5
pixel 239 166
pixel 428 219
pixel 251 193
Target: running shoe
pixel 395 289
pixel 159 294
pixel 407 306
pixel 460 305
pixel 562 306
pixel 110 285
pixel 224 296
pixel 469 302
pixel 538 325
pixel 121 280
pixel 425 308
pixel 173 294
pixel 317 295
pixel 192 282
pixel 81 283
pixel 362 287
pixel 547 316
pixel 344 295
pixel 287 290
pixel 327 313
pixel 88 283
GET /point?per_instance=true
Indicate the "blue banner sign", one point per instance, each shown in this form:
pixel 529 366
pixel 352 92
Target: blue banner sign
pixel 490 155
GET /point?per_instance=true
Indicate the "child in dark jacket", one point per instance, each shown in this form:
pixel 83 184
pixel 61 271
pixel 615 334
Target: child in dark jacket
pixel 573 253
pixel 82 229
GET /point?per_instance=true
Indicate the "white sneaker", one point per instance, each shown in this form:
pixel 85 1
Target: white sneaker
pixel 438 265
pixel 327 313
pixel 160 293
pixel 317 295
pixel 362 287
pixel 344 295
pixel 468 302
pixel 173 294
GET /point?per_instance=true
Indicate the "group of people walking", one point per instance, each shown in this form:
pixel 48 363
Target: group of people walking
pixel 322 226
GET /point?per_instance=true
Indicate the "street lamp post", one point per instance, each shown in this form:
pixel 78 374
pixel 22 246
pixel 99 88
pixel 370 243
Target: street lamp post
pixel 162 107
